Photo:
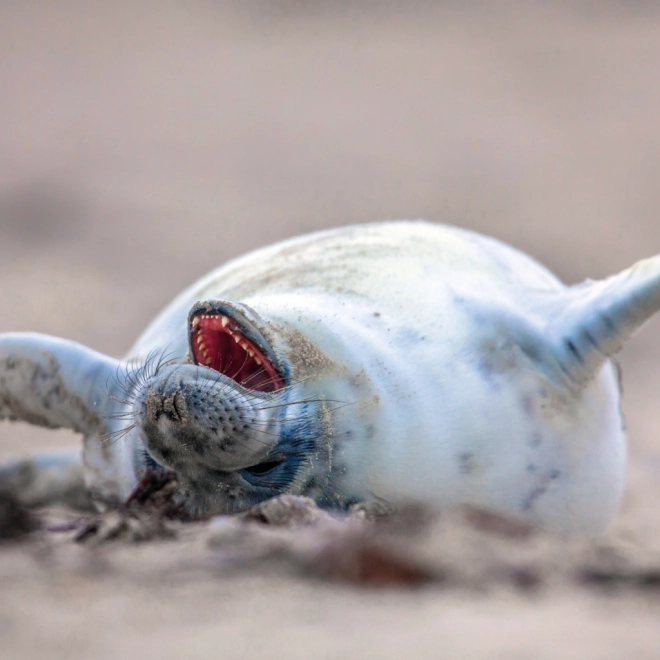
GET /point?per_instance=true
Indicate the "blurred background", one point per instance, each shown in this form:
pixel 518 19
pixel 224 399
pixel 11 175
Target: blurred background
pixel 142 144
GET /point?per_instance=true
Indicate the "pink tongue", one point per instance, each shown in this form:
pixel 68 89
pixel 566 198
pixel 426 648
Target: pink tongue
pixel 224 354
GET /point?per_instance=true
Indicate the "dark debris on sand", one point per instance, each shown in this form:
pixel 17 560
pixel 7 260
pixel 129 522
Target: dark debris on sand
pixel 15 520
pixel 371 545
pixel 466 547
pixel 150 513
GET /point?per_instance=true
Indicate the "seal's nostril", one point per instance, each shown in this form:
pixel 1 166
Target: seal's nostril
pixel 179 407
pixel 154 405
pixel 172 406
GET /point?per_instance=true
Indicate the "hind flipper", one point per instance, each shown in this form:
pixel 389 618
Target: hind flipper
pixel 591 321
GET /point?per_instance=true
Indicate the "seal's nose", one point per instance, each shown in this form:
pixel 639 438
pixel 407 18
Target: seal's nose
pixel 172 406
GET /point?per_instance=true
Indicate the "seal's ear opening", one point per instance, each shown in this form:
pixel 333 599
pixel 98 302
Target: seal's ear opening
pixel 219 343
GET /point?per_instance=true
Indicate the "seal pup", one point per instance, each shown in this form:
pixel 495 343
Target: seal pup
pixel 400 360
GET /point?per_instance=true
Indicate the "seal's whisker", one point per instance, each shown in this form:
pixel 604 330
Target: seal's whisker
pixel 164 360
pixel 248 448
pixel 257 374
pixel 140 372
pixel 289 420
pixel 110 438
pixel 130 373
pixel 122 415
pixel 114 383
pixel 302 403
pixel 245 361
pixel 273 433
pixel 117 399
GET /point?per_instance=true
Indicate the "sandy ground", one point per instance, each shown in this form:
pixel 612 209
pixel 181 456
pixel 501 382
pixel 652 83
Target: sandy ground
pixel 143 144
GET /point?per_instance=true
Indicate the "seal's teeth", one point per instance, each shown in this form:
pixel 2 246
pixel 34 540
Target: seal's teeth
pixel 237 338
pixel 244 345
pixel 224 320
pixel 200 338
pixel 195 322
pixel 208 361
pixel 250 353
pixel 202 347
pixel 258 361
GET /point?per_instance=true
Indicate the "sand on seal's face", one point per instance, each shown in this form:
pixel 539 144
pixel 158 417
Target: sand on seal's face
pixel 142 145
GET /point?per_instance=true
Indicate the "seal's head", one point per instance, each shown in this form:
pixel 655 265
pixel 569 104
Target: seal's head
pixel 230 422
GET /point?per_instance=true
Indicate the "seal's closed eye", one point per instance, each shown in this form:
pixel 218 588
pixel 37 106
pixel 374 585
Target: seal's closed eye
pixel 263 468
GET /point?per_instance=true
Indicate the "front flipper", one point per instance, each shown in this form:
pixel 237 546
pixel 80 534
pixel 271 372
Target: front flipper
pixel 55 383
pixel 47 479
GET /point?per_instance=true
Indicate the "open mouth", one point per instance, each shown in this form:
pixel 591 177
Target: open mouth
pixel 218 343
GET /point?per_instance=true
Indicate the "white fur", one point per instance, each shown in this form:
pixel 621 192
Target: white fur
pixel 445 431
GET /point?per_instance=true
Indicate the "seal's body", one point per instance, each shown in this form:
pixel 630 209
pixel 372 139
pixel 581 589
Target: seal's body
pixel 399 360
